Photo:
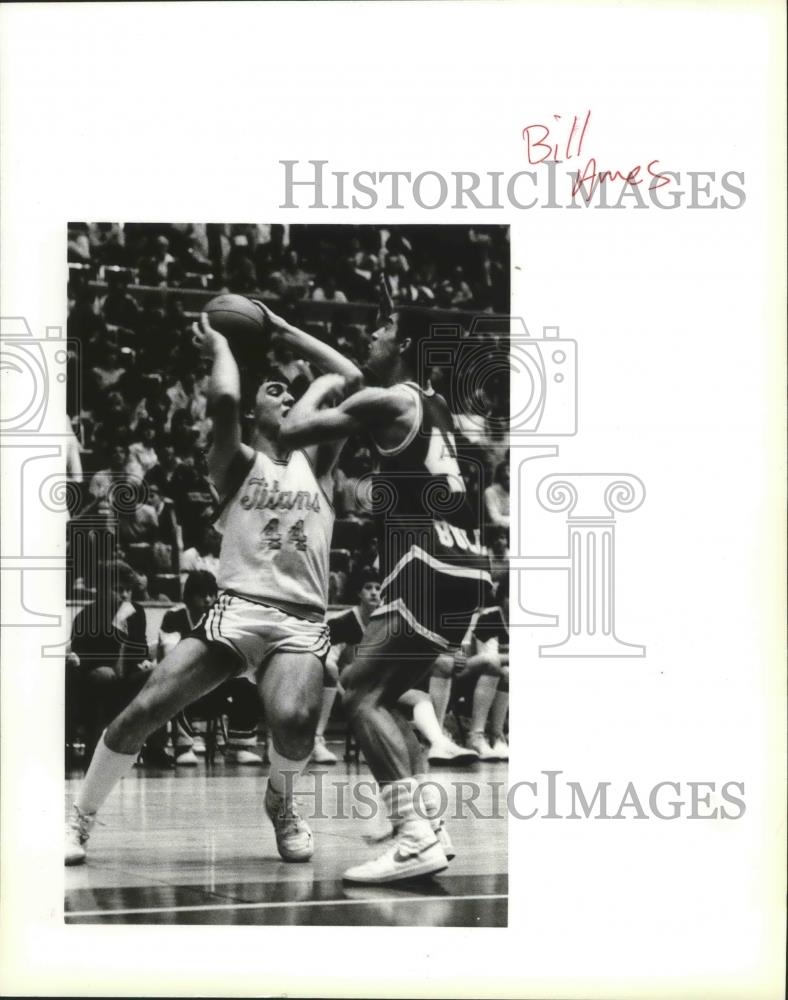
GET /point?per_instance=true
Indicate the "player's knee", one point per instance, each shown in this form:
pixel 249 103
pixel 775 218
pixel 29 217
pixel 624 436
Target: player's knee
pixel 294 716
pixel 443 666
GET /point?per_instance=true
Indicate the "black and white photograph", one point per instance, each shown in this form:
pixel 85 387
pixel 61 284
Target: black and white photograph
pixel 392 459
pixel 288 543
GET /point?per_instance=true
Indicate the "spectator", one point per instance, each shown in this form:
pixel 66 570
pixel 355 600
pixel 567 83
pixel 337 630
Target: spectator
pixel 496 497
pixel 498 547
pixel 291 282
pixel 119 308
pixel 241 272
pixel 143 448
pixel 138 524
pixel 120 471
pixel 236 697
pixel 78 243
pixel 154 403
pixel 160 268
pixel 108 370
pixel 169 542
pixel 107 662
pixel 353 487
pixel 194 496
pixel 327 291
pixel 204 556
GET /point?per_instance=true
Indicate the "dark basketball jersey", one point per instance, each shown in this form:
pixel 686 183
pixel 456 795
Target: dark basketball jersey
pixel 436 571
pixel 419 495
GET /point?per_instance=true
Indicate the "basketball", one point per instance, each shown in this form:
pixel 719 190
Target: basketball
pixel 242 322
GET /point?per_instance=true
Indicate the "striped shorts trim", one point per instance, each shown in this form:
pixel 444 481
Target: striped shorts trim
pixel 255 631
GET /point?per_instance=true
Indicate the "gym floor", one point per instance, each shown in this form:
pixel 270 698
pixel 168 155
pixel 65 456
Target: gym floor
pixel 193 846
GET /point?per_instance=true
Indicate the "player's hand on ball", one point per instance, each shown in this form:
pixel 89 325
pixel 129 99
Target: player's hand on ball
pixel 275 323
pixel 205 338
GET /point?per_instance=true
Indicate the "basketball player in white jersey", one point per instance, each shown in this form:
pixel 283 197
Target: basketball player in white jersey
pixel 269 617
pixel 436 577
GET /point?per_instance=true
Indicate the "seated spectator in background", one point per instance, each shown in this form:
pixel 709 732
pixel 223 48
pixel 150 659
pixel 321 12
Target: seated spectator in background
pixel 78 243
pixel 395 270
pixel 168 545
pixel 119 308
pixel 367 554
pixel 108 244
pixel 108 369
pixel 327 291
pixel 138 524
pixel 85 323
pixel 120 470
pixel 154 403
pixel 168 463
pixel 237 697
pixel 353 487
pixel 498 547
pixel 160 267
pixel 108 658
pixel 195 497
pixel 112 415
pixel 496 497
pixel 415 290
pixel 462 296
pixel 291 282
pixel 346 631
pixel 143 448
pixel 186 394
pixel 204 556
pixel 239 267
pixel 183 434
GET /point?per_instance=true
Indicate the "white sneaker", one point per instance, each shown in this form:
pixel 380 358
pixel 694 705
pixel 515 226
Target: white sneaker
pixel 500 748
pixel 187 758
pixel 400 861
pixel 239 755
pixel 478 742
pixel 447 752
pixel 293 836
pixel 321 754
pixel 77 834
pixel 199 746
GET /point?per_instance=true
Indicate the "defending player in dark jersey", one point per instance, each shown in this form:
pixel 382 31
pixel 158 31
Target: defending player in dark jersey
pixel 435 574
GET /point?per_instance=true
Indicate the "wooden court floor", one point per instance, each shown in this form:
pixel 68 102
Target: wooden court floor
pixel 193 846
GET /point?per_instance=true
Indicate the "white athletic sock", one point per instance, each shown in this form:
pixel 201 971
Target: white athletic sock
pixel 329 696
pixel 440 692
pixel 105 771
pixel 428 800
pixel 397 797
pixel 284 772
pixel 426 721
pixel 483 697
pixel 498 713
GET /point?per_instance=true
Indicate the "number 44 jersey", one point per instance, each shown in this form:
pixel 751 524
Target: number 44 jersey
pixel 276 527
pixel 436 571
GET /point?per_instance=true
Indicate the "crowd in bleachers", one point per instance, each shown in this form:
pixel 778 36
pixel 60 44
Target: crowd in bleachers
pixel 137 388
pixel 442 266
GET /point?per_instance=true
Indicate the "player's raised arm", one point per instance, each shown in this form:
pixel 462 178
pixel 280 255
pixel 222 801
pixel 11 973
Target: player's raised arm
pixel 224 400
pixel 367 410
pixel 305 346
